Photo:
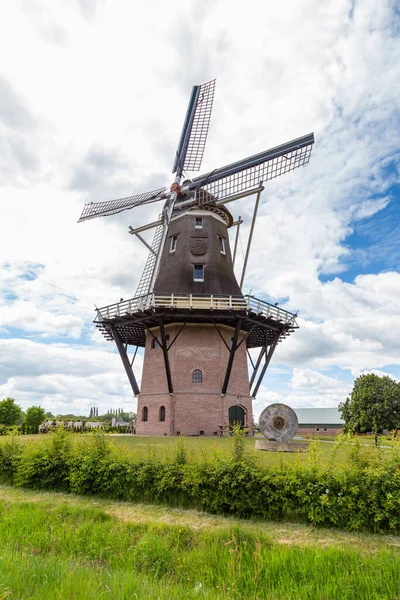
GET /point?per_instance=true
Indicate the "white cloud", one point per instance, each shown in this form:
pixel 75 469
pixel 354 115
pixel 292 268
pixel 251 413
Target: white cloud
pixel 93 96
pixel 58 376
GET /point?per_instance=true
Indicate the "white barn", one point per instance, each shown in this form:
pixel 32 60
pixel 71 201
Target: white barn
pixel 321 421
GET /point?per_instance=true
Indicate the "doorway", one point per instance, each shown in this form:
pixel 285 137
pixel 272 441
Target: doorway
pixel 237 415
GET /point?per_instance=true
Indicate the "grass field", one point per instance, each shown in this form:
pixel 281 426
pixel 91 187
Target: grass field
pixel 196 447
pixel 58 547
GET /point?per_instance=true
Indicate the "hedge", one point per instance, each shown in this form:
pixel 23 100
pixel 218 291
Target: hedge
pixel 364 496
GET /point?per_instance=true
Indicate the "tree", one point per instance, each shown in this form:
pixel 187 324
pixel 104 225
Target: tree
pixel 373 405
pixel 34 416
pixel 10 413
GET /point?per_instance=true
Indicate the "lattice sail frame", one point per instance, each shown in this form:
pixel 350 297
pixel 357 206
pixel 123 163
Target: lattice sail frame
pixel 251 172
pixel 193 138
pixel 112 207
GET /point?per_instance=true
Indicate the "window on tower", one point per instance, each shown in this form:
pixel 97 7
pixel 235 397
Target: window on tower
pixel 161 414
pixel 174 240
pixel 198 272
pixel 221 245
pixel 145 413
pixel 197 376
pixel 199 223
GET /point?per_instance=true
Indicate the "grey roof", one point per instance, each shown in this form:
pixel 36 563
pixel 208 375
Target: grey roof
pixel 318 416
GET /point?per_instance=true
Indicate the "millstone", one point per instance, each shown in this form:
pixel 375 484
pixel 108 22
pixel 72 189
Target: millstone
pixel 278 423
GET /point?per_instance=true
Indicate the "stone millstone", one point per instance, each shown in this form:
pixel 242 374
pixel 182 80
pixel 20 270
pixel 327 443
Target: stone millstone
pixel 278 423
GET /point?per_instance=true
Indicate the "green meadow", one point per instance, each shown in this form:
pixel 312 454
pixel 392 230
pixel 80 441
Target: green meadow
pixel 93 516
pixel 57 547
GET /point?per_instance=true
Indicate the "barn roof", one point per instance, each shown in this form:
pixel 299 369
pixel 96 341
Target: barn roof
pixel 318 416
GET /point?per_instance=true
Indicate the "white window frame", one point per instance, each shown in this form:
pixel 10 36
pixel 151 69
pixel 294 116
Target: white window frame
pixel 194 270
pixel 174 241
pixel 200 224
pixel 222 245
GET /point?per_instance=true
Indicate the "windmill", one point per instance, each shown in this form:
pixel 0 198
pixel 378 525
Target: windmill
pixel 188 311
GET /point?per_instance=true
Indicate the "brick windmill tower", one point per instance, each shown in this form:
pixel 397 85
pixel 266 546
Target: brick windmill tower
pixel 189 313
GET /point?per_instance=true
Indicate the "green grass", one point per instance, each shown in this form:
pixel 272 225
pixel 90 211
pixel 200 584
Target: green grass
pixel 55 546
pixel 198 447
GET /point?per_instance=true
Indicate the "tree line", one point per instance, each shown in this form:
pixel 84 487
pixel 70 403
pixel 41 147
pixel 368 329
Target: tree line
pixel 12 416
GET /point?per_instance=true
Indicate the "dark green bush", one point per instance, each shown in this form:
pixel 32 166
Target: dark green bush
pixel 47 464
pixel 10 453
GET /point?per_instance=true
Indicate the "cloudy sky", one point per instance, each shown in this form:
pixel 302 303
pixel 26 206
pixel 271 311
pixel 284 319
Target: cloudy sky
pixel 92 100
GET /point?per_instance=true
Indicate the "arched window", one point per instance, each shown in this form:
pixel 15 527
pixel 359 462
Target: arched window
pixel 161 415
pixel 153 342
pixel 145 413
pixel 197 376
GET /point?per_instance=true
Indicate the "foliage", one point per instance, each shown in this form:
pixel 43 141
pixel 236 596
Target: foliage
pixel 71 417
pixel 10 453
pixel 362 495
pixel 34 416
pixel 10 412
pixel 46 464
pixel 373 405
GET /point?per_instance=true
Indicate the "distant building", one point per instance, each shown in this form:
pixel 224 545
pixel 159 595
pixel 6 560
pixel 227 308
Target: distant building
pixel 321 421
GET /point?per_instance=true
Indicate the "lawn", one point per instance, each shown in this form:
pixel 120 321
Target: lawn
pixel 55 546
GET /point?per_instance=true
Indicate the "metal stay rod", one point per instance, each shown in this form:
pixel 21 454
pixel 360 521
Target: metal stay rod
pixel 250 236
pixel 238 224
pixel 181 329
pixel 221 336
pixel 145 243
pixel 144 227
pixel 240 195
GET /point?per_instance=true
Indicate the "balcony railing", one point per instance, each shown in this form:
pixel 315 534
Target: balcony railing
pixel 191 301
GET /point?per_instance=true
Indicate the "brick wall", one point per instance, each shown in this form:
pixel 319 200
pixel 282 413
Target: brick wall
pixel 193 407
pixel 313 430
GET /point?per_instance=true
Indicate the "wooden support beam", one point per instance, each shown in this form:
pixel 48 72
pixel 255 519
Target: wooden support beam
pixel 268 357
pixel 255 368
pixel 231 356
pixel 125 361
pixel 166 359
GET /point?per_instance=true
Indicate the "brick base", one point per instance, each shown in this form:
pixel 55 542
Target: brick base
pixel 193 408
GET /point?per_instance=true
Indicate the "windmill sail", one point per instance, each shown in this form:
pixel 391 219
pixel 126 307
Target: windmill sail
pixel 111 207
pixel 250 172
pixel 195 129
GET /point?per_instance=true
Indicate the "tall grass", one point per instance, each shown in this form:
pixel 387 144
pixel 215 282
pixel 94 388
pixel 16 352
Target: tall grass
pixel 56 551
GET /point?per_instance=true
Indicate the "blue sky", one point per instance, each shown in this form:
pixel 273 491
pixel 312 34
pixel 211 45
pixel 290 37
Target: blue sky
pixel 86 114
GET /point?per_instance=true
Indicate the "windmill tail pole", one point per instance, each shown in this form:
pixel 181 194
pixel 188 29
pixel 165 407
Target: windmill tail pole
pixel 238 224
pixel 250 235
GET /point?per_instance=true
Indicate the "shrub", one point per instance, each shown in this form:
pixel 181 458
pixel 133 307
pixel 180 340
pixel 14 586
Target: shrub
pixel 364 495
pixel 46 465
